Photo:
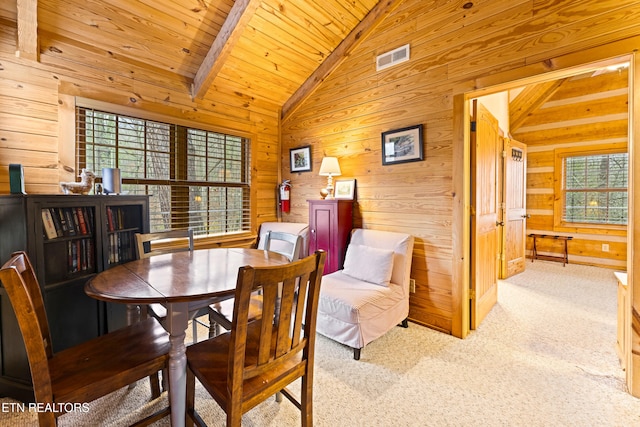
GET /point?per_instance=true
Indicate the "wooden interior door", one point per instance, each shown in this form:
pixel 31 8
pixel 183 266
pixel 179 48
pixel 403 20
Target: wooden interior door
pixel 515 205
pixel 486 148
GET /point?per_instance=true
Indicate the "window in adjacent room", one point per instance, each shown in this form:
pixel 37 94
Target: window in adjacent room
pixel 197 178
pixel 592 188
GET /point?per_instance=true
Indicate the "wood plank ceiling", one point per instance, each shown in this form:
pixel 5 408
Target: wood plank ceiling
pixel 261 49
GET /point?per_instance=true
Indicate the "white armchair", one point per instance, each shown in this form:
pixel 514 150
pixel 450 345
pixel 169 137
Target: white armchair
pixel 370 295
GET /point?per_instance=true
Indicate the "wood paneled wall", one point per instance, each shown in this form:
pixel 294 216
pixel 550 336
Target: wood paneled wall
pixel 34 96
pixel 583 111
pixel 454 49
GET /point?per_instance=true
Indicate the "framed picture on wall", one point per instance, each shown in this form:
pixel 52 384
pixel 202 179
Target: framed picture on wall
pixel 402 145
pixel 345 189
pixel 300 159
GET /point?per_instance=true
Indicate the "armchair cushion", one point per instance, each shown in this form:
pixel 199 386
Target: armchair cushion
pixel 373 265
pixel 352 300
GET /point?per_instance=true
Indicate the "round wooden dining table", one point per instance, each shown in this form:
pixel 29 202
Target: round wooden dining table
pixel 182 282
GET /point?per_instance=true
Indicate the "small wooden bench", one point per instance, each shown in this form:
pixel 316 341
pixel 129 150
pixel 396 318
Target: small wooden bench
pixel 564 258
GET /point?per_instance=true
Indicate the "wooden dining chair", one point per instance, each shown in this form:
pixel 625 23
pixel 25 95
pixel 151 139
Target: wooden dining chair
pixel 287 244
pixel 221 312
pixel 89 370
pixel 258 358
pixel 163 242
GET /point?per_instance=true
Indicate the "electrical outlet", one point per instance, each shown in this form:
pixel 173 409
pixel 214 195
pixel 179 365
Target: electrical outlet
pixel 605 247
pixel 412 286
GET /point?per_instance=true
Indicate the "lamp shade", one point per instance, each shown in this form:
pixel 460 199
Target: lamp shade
pixel 330 167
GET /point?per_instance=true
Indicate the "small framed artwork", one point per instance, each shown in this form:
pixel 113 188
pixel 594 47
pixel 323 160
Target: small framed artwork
pixel 300 159
pixel 402 145
pixel 345 189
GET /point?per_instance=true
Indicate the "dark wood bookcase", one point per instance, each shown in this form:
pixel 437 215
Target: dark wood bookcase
pixel 69 238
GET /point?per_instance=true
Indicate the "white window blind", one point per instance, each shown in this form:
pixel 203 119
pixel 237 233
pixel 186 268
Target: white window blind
pixel 197 178
pixel 595 189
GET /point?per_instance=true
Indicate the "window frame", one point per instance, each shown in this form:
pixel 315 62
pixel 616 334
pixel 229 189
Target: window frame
pixel 560 154
pixel 249 165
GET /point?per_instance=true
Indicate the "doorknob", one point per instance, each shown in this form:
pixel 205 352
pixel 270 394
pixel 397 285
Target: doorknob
pixel 499 224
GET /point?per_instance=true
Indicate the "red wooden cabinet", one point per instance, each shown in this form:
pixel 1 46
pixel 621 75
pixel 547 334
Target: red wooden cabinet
pixel 330 222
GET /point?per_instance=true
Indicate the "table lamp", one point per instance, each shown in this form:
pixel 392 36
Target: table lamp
pixel 330 168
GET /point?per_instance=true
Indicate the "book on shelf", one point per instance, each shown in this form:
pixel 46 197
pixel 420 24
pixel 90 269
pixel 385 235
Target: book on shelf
pixel 71 225
pixel 115 218
pixel 80 255
pixel 72 253
pixel 56 222
pixel 121 246
pixel 88 218
pixel 82 226
pixel 119 219
pixel 113 255
pixel 67 222
pixel 48 224
pixel 90 254
pixel 110 219
pixel 90 222
pixel 63 221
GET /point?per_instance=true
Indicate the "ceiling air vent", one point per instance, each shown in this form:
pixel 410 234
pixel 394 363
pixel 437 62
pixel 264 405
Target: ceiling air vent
pixel 393 57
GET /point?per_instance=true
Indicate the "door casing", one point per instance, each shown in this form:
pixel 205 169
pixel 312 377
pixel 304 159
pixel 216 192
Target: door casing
pixel 571 65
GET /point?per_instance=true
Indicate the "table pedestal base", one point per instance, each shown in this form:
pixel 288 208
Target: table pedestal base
pixel 177 322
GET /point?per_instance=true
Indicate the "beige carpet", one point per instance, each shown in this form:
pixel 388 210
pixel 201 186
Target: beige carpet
pixel 543 357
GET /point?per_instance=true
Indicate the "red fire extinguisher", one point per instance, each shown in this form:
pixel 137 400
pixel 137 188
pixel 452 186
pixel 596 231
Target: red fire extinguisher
pixel 285 195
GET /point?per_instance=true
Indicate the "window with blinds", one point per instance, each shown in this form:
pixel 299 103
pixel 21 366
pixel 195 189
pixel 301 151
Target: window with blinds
pixel 197 178
pixel 595 189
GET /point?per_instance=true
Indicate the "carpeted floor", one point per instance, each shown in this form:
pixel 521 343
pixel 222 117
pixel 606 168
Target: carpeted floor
pixel 544 356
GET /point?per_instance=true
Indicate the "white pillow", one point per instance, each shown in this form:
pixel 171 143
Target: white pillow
pixel 370 264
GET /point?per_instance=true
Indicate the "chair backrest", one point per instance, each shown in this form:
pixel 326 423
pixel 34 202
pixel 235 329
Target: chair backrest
pixel 299 228
pixel 163 242
pixel 400 243
pixel 286 244
pixel 19 281
pixel 278 339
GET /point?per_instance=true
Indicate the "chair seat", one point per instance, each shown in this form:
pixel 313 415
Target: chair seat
pixel 351 300
pixel 92 369
pixel 209 361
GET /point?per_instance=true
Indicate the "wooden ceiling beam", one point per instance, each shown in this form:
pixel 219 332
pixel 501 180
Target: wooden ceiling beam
pixel 231 31
pixel 380 11
pixel 27 22
pixel 530 99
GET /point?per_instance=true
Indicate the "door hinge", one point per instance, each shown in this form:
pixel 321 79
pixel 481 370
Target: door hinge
pixel 473 126
pixel 504 154
pixel 472 294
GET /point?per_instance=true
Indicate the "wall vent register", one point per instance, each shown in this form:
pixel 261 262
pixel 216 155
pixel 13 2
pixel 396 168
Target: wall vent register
pixel 393 57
